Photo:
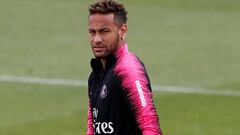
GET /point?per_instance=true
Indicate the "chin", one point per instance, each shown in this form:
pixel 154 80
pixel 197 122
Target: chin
pixel 100 56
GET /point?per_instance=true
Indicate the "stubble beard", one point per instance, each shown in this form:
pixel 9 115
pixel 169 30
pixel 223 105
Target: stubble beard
pixel 110 51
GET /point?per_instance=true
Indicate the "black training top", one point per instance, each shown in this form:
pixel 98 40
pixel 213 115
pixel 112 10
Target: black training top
pixel 120 97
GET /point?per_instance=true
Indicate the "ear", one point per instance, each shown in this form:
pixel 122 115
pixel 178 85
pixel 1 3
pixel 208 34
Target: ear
pixel 123 31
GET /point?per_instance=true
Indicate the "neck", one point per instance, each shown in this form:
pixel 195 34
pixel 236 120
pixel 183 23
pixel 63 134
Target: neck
pixel 104 60
pixel 103 63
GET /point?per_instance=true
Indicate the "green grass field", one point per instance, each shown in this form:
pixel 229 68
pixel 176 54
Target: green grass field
pixel 183 43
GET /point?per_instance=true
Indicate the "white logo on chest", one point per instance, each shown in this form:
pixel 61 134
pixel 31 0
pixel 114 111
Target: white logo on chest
pixel 104 91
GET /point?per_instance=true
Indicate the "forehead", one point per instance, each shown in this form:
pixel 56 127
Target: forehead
pixel 97 21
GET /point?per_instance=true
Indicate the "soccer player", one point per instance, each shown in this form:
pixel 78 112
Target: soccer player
pixel 119 91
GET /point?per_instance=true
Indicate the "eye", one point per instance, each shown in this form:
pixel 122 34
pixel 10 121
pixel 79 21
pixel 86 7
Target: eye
pixel 91 32
pixel 104 31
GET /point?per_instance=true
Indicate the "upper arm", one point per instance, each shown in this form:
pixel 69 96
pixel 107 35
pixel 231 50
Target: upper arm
pixel 135 82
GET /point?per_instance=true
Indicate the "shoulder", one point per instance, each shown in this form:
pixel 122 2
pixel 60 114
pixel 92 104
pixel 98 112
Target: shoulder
pixel 128 63
pixel 130 69
pixel 90 78
pixel 90 82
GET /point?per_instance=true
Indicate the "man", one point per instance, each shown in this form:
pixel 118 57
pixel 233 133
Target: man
pixel 120 97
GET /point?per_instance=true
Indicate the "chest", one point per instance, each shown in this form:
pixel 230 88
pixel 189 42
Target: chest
pixel 104 90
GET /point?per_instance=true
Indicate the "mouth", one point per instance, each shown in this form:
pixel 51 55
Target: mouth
pixel 98 49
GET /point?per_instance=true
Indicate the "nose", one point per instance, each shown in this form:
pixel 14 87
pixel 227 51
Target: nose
pixel 97 39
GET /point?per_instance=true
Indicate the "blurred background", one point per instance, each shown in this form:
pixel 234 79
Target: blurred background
pixel 190 49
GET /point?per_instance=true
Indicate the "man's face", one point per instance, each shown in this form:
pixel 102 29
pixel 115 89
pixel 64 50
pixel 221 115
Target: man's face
pixel 103 34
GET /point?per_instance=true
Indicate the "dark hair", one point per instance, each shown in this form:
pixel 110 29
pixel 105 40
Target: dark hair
pixel 107 7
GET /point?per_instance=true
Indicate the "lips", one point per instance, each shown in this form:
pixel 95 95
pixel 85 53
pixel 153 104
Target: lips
pixel 98 49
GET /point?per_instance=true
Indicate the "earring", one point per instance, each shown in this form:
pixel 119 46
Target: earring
pixel 123 37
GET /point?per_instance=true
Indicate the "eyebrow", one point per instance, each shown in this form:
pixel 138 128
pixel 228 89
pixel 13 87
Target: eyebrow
pixel 104 28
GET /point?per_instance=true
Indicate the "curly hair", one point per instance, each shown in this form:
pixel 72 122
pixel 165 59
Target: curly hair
pixel 107 7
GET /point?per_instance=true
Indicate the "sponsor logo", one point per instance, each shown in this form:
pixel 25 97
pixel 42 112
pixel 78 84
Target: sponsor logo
pixel 101 127
pixel 103 93
pixel 140 92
